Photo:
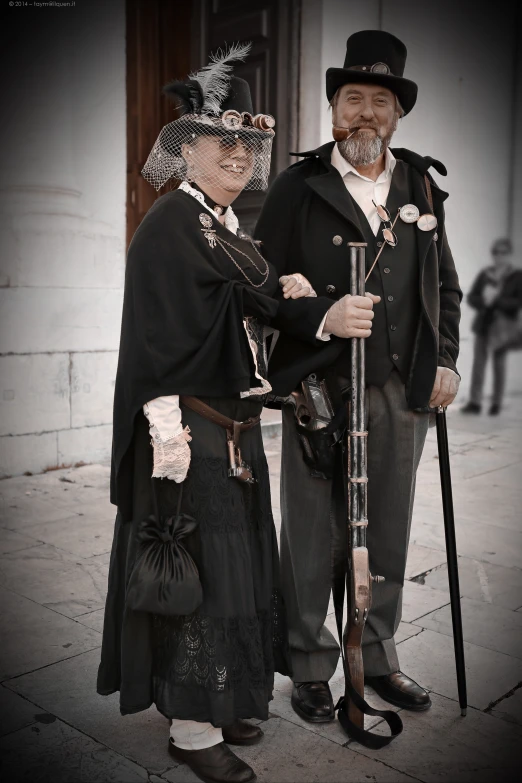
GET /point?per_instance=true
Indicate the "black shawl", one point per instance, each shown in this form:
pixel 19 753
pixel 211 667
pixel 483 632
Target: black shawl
pixel 182 324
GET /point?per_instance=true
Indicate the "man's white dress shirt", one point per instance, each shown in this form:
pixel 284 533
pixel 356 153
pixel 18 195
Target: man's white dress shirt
pixel 363 189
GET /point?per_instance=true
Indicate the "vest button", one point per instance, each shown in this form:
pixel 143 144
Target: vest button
pixel 330 289
pixel 379 244
pixel 393 327
pixel 337 240
pixel 386 270
pixel 395 357
pixel 390 298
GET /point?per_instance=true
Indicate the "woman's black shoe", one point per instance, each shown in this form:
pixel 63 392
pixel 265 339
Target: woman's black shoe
pixel 214 765
pixel 242 733
pixel 313 701
pixel 471 407
pixel 494 410
pixel 399 689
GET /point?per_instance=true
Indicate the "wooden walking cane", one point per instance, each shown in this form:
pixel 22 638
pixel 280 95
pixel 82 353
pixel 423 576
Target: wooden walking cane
pixel 451 554
pixel 352 707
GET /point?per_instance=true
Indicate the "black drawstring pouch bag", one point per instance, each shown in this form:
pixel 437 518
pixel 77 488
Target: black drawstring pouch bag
pixel 165 578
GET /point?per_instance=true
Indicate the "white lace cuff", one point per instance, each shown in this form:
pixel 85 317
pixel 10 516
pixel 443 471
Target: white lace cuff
pixel 171 456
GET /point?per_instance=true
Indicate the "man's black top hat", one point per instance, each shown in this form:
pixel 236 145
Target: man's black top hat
pixel 374 57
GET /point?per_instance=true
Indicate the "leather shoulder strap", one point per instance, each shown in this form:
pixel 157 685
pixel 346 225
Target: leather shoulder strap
pixel 428 191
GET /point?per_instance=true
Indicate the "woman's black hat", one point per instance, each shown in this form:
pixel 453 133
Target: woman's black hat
pixel 374 57
pixel 190 101
pixel 211 102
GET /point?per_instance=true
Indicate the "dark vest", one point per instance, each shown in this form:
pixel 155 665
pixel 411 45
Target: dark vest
pixel 395 279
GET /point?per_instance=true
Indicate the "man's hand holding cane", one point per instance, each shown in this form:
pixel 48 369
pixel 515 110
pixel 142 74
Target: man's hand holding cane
pixel 351 316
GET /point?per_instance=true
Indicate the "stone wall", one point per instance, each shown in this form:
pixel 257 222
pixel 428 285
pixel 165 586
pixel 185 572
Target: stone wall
pixel 62 227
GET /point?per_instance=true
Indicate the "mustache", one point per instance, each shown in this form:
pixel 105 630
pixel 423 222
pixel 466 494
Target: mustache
pixel 355 128
pixel 342 133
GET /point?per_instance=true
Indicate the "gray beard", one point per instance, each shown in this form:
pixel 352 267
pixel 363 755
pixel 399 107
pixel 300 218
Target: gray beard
pixel 361 151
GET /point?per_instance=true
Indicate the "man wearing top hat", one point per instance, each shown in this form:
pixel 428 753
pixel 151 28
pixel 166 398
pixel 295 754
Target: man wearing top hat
pixel 357 189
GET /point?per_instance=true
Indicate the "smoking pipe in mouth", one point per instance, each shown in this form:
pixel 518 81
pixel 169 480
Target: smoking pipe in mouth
pixel 341 134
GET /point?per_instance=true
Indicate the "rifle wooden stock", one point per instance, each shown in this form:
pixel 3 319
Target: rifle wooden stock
pixel 359 600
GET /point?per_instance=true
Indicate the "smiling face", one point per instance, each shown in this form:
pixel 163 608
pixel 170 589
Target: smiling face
pixel 223 162
pixel 371 112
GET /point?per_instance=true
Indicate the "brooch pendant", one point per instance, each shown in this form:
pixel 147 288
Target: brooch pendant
pixel 210 236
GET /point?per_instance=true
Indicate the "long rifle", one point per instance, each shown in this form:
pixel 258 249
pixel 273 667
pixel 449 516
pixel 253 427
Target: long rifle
pixel 352 707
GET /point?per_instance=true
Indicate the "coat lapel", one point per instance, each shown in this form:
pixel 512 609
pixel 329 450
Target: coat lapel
pixel 331 188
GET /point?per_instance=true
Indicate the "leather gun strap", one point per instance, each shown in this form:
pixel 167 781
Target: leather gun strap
pixel 364 737
pixel 428 191
pixel 237 432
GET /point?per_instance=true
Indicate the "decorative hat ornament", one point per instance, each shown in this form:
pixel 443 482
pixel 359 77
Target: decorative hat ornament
pixel 217 136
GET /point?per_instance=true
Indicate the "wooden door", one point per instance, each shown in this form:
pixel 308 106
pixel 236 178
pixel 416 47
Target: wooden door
pixel 271 70
pixel 168 39
pixel 158 50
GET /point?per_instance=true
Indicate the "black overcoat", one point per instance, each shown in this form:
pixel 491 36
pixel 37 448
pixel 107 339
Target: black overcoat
pixel 307 206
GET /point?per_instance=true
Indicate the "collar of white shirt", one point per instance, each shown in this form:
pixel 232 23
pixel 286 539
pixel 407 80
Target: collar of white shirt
pixel 231 221
pixel 344 168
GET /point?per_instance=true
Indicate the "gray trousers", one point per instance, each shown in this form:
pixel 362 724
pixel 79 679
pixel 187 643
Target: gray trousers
pixel 313 533
pixel 480 358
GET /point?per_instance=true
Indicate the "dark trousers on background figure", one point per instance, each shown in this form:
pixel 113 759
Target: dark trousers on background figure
pixel 313 536
pixel 481 352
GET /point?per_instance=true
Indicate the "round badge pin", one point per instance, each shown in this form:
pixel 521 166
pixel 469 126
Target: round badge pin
pixel 409 213
pixel 427 222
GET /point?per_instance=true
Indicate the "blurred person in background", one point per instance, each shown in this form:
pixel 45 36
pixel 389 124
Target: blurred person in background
pixel 496 295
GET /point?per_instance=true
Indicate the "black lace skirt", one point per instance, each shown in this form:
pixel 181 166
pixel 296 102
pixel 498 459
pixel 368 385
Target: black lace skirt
pixel 217 664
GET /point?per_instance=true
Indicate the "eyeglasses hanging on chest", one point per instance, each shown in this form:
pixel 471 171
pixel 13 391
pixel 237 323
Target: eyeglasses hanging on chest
pixel 388 234
pixel 409 213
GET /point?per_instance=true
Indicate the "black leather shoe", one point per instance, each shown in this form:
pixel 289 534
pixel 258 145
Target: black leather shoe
pixel 313 701
pixel 398 689
pixel 471 407
pixel 214 765
pixel 242 733
pixel 494 409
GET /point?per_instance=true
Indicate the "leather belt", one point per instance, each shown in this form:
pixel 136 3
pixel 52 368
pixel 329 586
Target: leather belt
pixel 209 413
pixel 237 467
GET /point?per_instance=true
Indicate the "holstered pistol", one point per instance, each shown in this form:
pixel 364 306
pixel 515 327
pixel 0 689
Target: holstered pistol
pixel 237 468
pixel 314 412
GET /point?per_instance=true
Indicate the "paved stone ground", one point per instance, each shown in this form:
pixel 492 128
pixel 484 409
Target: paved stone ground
pixel 55 537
